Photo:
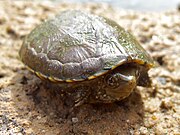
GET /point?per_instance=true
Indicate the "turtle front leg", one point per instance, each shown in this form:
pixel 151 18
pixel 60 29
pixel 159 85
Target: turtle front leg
pixel 77 95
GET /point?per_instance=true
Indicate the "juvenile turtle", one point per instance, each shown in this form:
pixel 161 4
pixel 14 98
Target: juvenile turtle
pixel 91 58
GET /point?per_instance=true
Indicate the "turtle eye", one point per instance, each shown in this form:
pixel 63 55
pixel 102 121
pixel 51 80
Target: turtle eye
pixel 112 81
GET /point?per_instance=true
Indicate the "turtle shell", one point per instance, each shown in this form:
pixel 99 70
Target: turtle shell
pixel 74 46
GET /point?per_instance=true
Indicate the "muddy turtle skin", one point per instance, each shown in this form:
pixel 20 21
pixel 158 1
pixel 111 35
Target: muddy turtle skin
pixel 91 58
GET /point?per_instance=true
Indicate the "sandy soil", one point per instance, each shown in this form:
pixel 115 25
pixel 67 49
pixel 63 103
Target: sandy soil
pixel 28 106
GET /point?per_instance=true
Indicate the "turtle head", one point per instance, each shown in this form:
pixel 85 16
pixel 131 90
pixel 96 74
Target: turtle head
pixel 121 82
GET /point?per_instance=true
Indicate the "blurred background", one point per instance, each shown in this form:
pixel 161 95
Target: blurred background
pixel 142 5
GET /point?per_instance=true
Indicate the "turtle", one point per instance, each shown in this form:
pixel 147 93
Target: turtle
pixel 90 57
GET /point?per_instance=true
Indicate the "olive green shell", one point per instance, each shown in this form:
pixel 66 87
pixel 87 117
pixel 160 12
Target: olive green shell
pixel 75 46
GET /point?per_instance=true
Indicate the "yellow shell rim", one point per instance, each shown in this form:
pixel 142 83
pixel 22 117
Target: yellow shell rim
pixel 57 80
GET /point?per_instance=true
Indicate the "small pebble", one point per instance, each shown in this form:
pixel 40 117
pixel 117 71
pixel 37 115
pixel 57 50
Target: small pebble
pixel 38 117
pixel 154 117
pixel 143 131
pixel 75 120
pixel 162 80
pixel 166 104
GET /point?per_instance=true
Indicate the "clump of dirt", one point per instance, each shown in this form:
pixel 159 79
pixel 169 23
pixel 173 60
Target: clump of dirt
pixel 28 106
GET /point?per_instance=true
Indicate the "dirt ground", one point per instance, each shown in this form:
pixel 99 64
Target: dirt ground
pixel 28 106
